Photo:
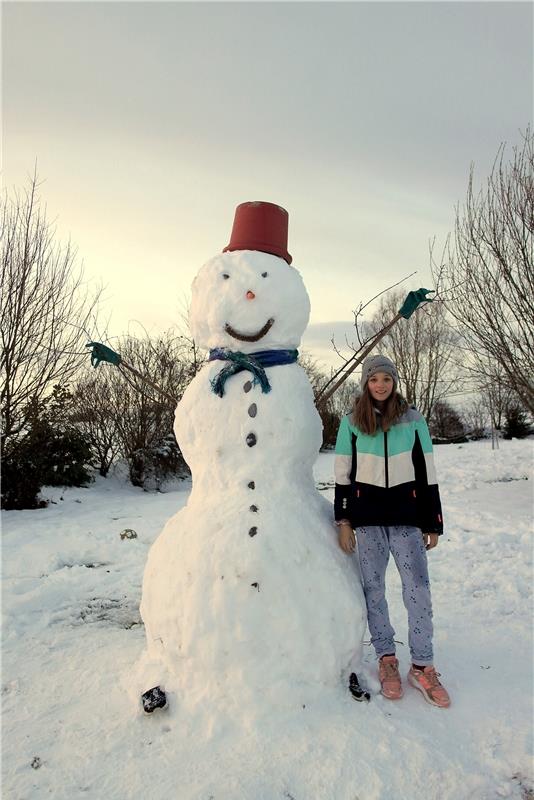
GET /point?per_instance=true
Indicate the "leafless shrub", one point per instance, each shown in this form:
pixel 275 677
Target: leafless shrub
pixel 123 416
pixel 90 411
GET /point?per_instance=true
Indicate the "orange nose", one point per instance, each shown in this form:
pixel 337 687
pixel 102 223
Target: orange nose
pixel 250 295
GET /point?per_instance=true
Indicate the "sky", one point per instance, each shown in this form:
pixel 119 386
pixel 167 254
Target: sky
pixel 150 122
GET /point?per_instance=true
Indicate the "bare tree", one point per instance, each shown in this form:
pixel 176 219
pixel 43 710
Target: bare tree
pixel 495 391
pixel 342 401
pixel 368 338
pixel 317 378
pixel 476 417
pixel 336 406
pixel 313 370
pixel 193 355
pixel 486 273
pixel 46 307
pixel 422 349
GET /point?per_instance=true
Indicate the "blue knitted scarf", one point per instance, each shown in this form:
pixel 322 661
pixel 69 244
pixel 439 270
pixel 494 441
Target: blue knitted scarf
pixel 253 362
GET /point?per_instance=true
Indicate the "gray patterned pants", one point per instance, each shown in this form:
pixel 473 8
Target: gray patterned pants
pixel 408 550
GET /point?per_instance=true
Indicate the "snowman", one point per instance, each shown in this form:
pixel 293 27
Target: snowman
pixel 247 597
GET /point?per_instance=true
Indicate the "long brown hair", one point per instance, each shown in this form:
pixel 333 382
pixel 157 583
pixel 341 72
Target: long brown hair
pixel 364 414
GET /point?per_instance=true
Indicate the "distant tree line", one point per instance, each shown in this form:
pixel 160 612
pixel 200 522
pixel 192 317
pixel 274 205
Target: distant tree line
pixel 62 420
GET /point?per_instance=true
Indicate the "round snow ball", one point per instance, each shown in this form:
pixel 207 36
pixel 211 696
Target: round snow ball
pixel 237 294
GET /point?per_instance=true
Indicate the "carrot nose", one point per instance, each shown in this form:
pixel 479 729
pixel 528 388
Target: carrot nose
pixel 250 295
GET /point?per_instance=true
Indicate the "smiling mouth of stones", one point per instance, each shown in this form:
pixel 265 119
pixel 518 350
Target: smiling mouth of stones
pixel 249 337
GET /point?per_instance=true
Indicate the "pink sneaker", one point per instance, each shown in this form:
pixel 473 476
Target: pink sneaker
pixel 427 681
pixel 390 679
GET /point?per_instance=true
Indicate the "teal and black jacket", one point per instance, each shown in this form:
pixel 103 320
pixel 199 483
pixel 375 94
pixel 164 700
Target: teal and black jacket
pixel 387 478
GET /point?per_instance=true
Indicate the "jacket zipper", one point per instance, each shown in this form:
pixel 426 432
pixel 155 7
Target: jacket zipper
pixel 386 457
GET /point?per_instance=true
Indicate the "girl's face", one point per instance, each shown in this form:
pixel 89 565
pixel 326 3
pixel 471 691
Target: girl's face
pixel 380 386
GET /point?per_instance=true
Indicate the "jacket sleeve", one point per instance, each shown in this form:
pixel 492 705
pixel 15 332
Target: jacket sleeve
pixel 342 469
pixel 428 499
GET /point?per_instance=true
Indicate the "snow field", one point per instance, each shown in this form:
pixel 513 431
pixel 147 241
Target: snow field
pixel 72 633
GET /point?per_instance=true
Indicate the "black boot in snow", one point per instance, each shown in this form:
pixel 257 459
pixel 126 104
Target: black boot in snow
pixel 356 690
pixel 154 698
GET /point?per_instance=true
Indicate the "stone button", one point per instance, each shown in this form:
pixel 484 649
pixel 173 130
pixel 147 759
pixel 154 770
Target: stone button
pixel 251 485
pixel 253 531
pixel 251 439
pixel 247 386
pixel 252 410
pixel 254 508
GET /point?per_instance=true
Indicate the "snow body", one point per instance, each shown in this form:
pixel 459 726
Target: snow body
pixel 234 579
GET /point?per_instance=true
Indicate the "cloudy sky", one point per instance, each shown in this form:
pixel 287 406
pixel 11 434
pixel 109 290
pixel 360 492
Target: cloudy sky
pixel 150 122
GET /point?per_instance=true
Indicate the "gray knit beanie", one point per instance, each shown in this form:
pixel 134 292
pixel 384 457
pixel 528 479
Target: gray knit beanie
pixel 375 364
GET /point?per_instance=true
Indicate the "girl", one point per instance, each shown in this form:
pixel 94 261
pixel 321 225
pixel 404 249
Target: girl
pixel 386 490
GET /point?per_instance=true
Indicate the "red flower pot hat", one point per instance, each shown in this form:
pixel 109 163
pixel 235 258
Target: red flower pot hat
pixel 260 226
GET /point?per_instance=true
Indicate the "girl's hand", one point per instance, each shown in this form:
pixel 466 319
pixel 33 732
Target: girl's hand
pixel 347 540
pixel 430 540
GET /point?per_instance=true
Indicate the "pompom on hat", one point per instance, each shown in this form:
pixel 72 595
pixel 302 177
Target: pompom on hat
pixel 260 226
pixel 374 364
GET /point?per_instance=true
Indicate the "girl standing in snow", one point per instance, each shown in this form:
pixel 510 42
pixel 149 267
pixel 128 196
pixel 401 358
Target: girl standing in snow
pixel 387 499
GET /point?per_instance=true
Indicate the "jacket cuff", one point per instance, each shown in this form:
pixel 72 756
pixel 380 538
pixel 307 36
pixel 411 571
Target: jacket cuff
pixel 341 501
pixel 432 527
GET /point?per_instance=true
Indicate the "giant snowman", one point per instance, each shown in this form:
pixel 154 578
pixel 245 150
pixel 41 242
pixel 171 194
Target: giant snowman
pixel 247 597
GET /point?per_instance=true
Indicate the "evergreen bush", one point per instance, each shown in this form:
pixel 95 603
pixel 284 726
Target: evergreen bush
pixel 516 424
pixel 445 424
pixel 49 452
pixel 152 466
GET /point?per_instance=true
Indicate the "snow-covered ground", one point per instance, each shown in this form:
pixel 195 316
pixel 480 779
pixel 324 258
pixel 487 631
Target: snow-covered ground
pixel 72 632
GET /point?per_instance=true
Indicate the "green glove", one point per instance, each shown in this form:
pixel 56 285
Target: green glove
pixel 414 300
pixel 102 353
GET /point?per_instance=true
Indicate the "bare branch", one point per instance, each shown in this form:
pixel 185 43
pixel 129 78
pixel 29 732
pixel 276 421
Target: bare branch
pixel 486 272
pixel 47 307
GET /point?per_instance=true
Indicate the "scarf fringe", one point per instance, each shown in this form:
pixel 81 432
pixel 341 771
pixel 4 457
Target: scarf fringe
pixel 252 363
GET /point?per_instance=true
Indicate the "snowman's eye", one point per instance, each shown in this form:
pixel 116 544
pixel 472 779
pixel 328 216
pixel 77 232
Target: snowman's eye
pixel 225 276
pixel 264 274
